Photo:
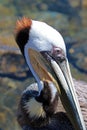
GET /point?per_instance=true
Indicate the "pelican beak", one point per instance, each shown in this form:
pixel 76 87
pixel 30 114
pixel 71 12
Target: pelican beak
pixel 68 95
pixel 59 74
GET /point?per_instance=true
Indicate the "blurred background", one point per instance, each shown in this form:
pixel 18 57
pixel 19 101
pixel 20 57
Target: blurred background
pixel 69 17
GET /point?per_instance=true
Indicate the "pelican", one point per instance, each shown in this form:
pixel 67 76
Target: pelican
pixel 45 53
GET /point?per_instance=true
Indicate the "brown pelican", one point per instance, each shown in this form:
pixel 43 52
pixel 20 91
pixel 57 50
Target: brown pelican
pixel 44 50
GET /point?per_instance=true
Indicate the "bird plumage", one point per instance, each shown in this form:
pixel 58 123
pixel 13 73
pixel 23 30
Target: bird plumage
pixel 41 113
pixel 61 122
pixel 80 87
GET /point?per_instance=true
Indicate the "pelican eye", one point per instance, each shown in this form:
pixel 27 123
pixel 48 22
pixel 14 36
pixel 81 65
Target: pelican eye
pixel 57 54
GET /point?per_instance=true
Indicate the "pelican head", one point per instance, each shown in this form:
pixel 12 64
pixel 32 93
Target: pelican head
pixel 45 53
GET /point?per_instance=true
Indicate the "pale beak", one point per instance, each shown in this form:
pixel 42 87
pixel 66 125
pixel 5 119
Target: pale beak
pixel 68 94
pixel 59 74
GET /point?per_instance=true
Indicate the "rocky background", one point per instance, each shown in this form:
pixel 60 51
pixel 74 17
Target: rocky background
pixel 67 16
